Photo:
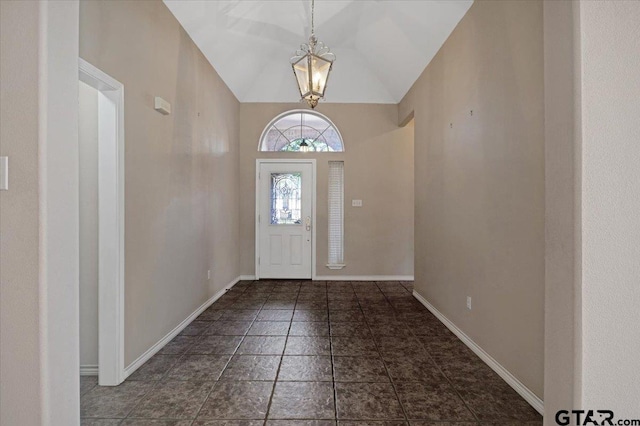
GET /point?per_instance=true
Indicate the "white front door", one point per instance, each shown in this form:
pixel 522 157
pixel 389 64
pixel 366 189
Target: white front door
pixel 285 219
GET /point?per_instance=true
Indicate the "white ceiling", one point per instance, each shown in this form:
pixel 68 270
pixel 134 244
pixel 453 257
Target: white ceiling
pixel 381 46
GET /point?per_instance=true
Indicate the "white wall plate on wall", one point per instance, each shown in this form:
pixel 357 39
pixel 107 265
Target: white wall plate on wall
pixel 4 173
pixel 162 106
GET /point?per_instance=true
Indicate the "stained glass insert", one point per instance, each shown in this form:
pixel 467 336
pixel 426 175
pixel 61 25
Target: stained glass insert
pixel 286 198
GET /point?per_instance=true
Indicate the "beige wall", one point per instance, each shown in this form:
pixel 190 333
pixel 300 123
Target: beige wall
pixel 39 245
pixel 378 170
pixel 19 210
pixel 562 208
pixel 88 197
pixel 610 204
pixel 181 209
pixel 480 182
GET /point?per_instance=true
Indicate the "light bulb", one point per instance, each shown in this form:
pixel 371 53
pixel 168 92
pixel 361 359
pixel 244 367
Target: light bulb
pixel 317 79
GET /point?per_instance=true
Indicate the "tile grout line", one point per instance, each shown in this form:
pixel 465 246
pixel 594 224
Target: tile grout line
pixel 437 365
pixel 395 391
pixel 215 385
pixel 146 395
pixel 333 376
pixel 284 349
pixel 428 354
pixel 155 385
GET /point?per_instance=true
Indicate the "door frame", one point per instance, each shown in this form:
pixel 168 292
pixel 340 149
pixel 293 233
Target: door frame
pixel 110 223
pixel 311 161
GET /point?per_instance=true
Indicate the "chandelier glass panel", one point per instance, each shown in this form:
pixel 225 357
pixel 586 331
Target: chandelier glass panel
pixel 311 66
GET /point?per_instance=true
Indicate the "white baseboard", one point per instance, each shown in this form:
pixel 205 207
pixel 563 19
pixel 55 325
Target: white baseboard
pixel 173 333
pixel 88 370
pixel 348 277
pixel 516 384
pixel 364 277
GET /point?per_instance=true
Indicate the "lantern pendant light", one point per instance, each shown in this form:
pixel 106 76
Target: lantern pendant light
pixel 304 146
pixel 311 66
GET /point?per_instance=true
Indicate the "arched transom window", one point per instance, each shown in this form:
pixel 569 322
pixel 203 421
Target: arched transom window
pixel 289 130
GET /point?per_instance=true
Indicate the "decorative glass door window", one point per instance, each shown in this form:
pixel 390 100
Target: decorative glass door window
pixel 286 198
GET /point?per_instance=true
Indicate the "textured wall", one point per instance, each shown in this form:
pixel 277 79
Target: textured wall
pixel 39 244
pixel 480 182
pixel 19 210
pixel 562 208
pixel 181 212
pixel 610 39
pixel 378 170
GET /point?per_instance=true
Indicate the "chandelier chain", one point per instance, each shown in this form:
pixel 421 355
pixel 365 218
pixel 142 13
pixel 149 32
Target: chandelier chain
pixel 312 8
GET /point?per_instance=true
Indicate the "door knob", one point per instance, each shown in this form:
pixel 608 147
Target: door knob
pixel 307 223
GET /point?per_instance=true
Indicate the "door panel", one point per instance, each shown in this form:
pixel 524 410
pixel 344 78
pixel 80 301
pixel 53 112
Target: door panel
pixel 275 249
pixel 297 249
pixel 285 217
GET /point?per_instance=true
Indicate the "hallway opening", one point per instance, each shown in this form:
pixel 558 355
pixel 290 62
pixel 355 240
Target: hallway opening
pixel 101 224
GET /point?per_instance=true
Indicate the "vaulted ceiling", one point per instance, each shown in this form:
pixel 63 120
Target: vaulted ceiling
pixel 381 46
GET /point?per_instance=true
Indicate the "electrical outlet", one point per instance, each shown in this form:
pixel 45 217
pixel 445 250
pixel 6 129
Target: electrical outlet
pixel 469 302
pixel 209 274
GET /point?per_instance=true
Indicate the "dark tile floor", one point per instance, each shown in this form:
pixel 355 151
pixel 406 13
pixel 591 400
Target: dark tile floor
pixel 311 353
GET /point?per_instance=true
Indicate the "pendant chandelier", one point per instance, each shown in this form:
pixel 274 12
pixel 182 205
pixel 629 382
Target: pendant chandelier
pixel 311 66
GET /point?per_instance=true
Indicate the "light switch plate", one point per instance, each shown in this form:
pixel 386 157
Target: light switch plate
pixel 4 173
pixel 356 203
